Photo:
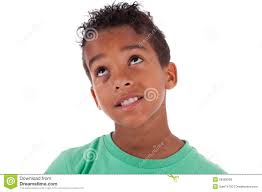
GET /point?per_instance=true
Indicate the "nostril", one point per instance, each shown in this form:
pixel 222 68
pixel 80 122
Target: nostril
pixel 123 84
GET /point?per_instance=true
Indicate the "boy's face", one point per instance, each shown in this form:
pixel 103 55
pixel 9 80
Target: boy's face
pixel 123 67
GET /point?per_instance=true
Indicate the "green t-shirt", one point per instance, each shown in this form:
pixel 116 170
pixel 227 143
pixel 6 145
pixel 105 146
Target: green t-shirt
pixel 103 156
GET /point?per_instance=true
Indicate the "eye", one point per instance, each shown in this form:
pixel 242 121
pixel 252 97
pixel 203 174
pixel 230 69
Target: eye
pixel 101 71
pixel 135 60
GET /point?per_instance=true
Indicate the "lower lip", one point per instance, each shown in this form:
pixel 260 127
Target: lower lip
pixel 131 106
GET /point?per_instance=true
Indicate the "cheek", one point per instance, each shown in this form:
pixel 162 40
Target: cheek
pixel 154 85
pixel 101 96
pixel 104 101
pixel 99 83
pixel 154 93
pixel 154 97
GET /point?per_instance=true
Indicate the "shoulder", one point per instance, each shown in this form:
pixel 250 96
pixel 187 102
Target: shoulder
pixel 199 164
pixel 73 160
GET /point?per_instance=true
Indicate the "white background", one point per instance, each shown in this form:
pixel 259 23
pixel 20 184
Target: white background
pixel 46 105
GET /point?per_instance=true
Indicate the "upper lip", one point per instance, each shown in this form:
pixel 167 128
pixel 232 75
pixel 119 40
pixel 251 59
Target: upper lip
pixel 126 96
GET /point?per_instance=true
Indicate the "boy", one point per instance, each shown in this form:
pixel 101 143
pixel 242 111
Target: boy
pixel 127 60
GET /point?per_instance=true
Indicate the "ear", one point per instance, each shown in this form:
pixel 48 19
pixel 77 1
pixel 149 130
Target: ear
pixel 94 97
pixel 171 75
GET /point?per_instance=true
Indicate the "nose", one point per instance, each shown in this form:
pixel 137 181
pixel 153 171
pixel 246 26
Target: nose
pixel 123 84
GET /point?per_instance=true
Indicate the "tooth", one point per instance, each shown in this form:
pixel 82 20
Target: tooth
pixel 129 101
pixel 124 102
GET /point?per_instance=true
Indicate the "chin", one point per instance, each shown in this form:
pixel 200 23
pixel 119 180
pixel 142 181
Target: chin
pixel 133 122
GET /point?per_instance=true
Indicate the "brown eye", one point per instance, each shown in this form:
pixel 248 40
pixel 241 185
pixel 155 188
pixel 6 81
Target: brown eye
pixel 135 60
pixel 101 71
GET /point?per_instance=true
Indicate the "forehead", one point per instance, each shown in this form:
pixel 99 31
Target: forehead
pixel 112 39
pixel 113 35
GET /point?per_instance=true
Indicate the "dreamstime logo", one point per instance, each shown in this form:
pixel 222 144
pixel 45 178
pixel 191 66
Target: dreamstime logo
pixel 151 94
pixel 90 155
pixel 89 34
pixel 10 181
pixel 149 36
pixel 150 155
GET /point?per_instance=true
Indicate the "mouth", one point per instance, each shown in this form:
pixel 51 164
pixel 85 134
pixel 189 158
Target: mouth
pixel 129 103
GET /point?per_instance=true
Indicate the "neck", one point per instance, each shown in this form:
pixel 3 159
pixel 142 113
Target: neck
pixel 153 134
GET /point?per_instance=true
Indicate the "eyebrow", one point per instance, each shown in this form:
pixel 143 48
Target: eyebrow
pixel 125 48
pixel 134 46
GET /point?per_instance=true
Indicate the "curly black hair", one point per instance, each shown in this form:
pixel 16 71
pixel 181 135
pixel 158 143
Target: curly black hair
pixel 124 14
